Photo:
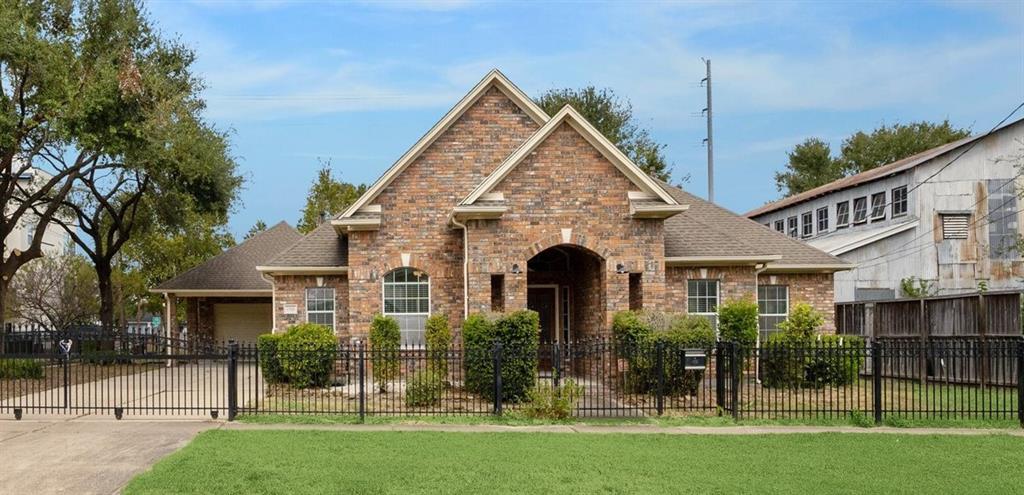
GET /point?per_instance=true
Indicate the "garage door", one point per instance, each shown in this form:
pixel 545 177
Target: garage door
pixel 241 322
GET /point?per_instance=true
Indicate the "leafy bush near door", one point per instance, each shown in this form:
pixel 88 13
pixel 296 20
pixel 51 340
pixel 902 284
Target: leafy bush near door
pixel 546 401
pixel 519 335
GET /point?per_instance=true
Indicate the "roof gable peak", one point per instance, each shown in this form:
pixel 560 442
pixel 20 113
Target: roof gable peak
pixel 570 116
pixel 494 78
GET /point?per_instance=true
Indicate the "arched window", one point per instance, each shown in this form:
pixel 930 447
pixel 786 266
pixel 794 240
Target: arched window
pixel 407 299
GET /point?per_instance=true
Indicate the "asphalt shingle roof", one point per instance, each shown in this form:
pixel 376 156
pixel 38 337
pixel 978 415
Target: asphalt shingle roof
pixel 706 229
pixel 321 247
pixel 235 268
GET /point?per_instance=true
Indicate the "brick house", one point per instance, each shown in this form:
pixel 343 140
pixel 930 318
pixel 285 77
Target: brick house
pixel 501 206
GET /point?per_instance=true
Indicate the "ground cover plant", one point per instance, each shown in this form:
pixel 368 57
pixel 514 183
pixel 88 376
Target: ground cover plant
pixel 226 462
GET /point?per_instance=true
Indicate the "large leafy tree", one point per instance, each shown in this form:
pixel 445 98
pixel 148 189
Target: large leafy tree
pixel 141 128
pixel 52 119
pixel 811 163
pixel 56 291
pixel 613 117
pixel 327 197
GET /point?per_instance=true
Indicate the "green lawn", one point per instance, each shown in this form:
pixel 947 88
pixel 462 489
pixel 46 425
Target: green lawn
pixel 432 462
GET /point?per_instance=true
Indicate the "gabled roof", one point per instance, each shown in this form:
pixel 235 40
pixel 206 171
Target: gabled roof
pixel 873 174
pixel 568 115
pixel 493 78
pixel 709 232
pixel 234 270
pixel 322 248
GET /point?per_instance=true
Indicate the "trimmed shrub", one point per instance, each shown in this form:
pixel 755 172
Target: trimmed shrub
pixel 306 355
pixel 638 335
pixel 803 322
pixel 478 334
pixel 424 388
pixel 798 357
pixel 519 334
pixel 270 363
pixel 737 323
pixel 385 340
pixel 439 342
pixel 545 401
pixel 21 368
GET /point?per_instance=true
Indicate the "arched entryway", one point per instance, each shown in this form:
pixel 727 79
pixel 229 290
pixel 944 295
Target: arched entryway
pixel 565 285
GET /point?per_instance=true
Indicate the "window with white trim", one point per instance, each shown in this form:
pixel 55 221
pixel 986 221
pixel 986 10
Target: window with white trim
pixel 899 201
pixel 860 210
pixel 407 300
pixel 702 299
pixel 842 214
pixel 806 225
pixel 772 308
pixel 791 224
pixel 320 306
pixel 780 226
pixel 822 219
pixel 878 206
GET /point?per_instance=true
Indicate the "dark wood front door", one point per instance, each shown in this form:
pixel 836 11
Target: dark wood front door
pixel 543 300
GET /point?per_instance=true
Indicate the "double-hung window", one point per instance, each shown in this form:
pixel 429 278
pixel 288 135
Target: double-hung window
pixel 860 210
pixel 878 206
pixel 899 201
pixel 806 224
pixel 407 300
pixel 822 220
pixel 791 226
pixel 702 299
pixel 780 226
pixel 772 308
pixel 842 214
pixel 320 306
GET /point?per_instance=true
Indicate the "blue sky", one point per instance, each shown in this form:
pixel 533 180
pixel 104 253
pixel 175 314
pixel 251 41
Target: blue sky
pixel 359 82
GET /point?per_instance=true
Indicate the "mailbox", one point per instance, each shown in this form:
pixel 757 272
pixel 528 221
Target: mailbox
pixel 695 359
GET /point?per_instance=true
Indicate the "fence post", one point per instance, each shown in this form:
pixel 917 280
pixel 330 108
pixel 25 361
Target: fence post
pixel 232 380
pixel 876 379
pixel 556 364
pixel 497 352
pixel 720 377
pixel 362 382
pixel 659 364
pixel 1020 382
pixel 982 322
pixel 736 368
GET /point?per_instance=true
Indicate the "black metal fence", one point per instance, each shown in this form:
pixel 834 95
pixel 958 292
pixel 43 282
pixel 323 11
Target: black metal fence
pixel 894 378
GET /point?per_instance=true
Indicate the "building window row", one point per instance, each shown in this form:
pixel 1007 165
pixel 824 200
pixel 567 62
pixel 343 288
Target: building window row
pixel 863 211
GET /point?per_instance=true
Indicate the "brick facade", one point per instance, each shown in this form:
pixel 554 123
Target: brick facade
pixel 817 289
pixel 565 195
pixel 290 290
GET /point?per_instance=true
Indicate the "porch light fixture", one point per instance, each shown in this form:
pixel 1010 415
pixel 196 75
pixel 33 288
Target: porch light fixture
pixel 620 268
pixel 515 269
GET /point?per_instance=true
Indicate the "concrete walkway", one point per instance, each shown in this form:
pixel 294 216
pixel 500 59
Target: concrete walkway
pixel 85 457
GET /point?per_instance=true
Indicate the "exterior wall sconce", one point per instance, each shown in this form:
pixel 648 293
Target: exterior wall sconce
pixel 515 269
pixel 620 268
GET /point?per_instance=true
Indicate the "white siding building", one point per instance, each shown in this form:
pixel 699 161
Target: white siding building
pixel 55 239
pixel 949 215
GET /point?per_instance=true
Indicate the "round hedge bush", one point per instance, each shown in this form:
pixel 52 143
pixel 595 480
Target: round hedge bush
pixel 306 354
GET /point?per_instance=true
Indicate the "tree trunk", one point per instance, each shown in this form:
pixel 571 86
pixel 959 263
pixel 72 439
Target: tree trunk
pixel 5 285
pixel 106 286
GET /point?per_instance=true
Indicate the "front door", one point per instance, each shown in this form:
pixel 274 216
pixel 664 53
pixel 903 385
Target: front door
pixel 543 300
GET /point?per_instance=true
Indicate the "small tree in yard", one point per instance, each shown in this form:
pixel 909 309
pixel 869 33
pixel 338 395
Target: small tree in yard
pixel 385 340
pixel 56 292
pixel 737 323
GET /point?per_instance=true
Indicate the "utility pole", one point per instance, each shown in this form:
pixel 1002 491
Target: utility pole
pixel 710 142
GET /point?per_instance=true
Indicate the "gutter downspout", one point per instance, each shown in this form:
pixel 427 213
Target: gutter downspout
pixel 758 269
pixel 465 265
pixel 273 302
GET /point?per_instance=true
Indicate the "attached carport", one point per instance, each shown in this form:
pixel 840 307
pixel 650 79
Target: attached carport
pixel 226 298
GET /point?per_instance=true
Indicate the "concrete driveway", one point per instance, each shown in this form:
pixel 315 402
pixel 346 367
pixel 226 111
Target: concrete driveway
pixel 84 455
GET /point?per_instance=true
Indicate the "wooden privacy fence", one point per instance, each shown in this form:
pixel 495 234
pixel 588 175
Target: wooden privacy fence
pixel 968 319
